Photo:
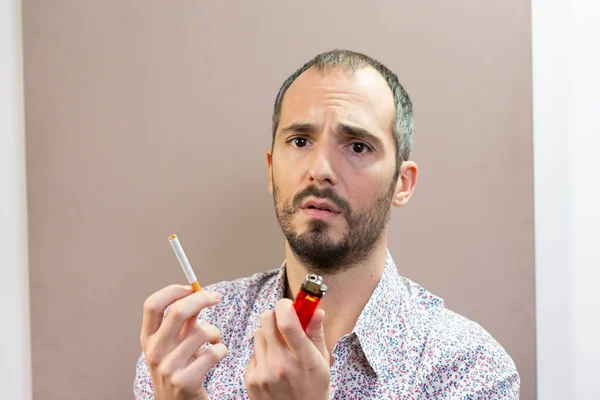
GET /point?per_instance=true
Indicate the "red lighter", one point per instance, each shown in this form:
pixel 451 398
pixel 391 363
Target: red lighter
pixel 308 298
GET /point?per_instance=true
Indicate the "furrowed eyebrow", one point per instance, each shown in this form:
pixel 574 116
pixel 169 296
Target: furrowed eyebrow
pixel 299 128
pixel 360 133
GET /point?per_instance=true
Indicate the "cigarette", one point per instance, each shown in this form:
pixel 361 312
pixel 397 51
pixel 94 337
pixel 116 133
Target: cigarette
pixel 185 264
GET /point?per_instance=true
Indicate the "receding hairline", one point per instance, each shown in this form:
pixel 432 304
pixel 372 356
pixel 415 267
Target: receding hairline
pixel 350 72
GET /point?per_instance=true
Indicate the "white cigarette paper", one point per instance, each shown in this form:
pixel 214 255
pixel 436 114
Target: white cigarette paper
pixel 180 254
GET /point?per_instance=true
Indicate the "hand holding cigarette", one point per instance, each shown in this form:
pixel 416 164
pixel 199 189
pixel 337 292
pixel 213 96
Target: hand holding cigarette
pixel 172 343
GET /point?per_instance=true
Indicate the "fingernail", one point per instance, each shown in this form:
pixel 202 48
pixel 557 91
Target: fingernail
pixel 216 295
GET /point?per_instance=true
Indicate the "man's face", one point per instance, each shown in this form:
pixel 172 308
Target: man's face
pixel 332 166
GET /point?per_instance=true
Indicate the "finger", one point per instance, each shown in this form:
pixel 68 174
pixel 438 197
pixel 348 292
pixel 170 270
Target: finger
pixel 190 346
pixel 204 362
pixel 315 326
pixel 289 326
pixel 252 363
pixel 190 380
pixel 316 333
pixel 181 311
pixel 268 326
pixel 188 325
pixel 260 348
pixel 155 305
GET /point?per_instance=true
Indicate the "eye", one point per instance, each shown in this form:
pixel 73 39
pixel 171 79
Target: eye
pixel 299 142
pixel 360 148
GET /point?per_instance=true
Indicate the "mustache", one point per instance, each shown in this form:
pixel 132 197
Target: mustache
pixel 325 193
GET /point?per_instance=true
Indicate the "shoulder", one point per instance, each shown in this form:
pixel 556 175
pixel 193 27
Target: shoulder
pixel 459 353
pixel 444 327
pixel 421 308
pixel 420 297
pixel 470 341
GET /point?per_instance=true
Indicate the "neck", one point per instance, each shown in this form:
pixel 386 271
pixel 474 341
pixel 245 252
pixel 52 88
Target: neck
pixel 347 291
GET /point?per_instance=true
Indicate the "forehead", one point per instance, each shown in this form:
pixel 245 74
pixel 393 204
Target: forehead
pixel 362 97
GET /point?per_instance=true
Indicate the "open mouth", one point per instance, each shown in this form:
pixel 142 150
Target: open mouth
pixel 320 205
pixel 319 208
pixel 313 212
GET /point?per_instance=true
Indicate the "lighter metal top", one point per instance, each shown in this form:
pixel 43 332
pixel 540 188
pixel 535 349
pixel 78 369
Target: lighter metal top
pixel 313 284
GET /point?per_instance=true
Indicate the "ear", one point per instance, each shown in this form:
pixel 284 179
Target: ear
pixel 270 167
pixel 407 181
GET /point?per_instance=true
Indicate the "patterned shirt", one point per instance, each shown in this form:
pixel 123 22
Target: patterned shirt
pixel 405 345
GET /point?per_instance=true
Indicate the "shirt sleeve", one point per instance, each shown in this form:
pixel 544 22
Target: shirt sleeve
pixel 142 385
pixel 506 389
pixel 464 362
pixel 491 376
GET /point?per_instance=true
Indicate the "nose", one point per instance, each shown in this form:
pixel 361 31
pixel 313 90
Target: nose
pixel 322 161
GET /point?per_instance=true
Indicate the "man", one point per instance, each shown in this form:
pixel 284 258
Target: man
pixel 342 134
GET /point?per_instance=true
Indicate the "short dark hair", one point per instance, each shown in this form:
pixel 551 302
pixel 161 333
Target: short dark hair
pixel 402 124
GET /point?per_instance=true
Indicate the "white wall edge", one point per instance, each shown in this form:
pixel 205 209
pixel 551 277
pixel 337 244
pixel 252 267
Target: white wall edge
pixel 566 109
pixel 550 19
pixel 15 347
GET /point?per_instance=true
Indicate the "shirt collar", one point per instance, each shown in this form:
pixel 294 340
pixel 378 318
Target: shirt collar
pixel 380 322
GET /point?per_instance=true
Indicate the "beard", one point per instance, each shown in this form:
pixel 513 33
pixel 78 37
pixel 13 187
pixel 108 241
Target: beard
pixel 315 248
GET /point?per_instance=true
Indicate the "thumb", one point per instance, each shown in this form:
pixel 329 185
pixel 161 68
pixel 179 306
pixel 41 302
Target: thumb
pixel 316 332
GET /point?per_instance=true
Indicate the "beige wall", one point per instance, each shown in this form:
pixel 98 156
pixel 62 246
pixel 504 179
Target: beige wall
pixel 147 118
